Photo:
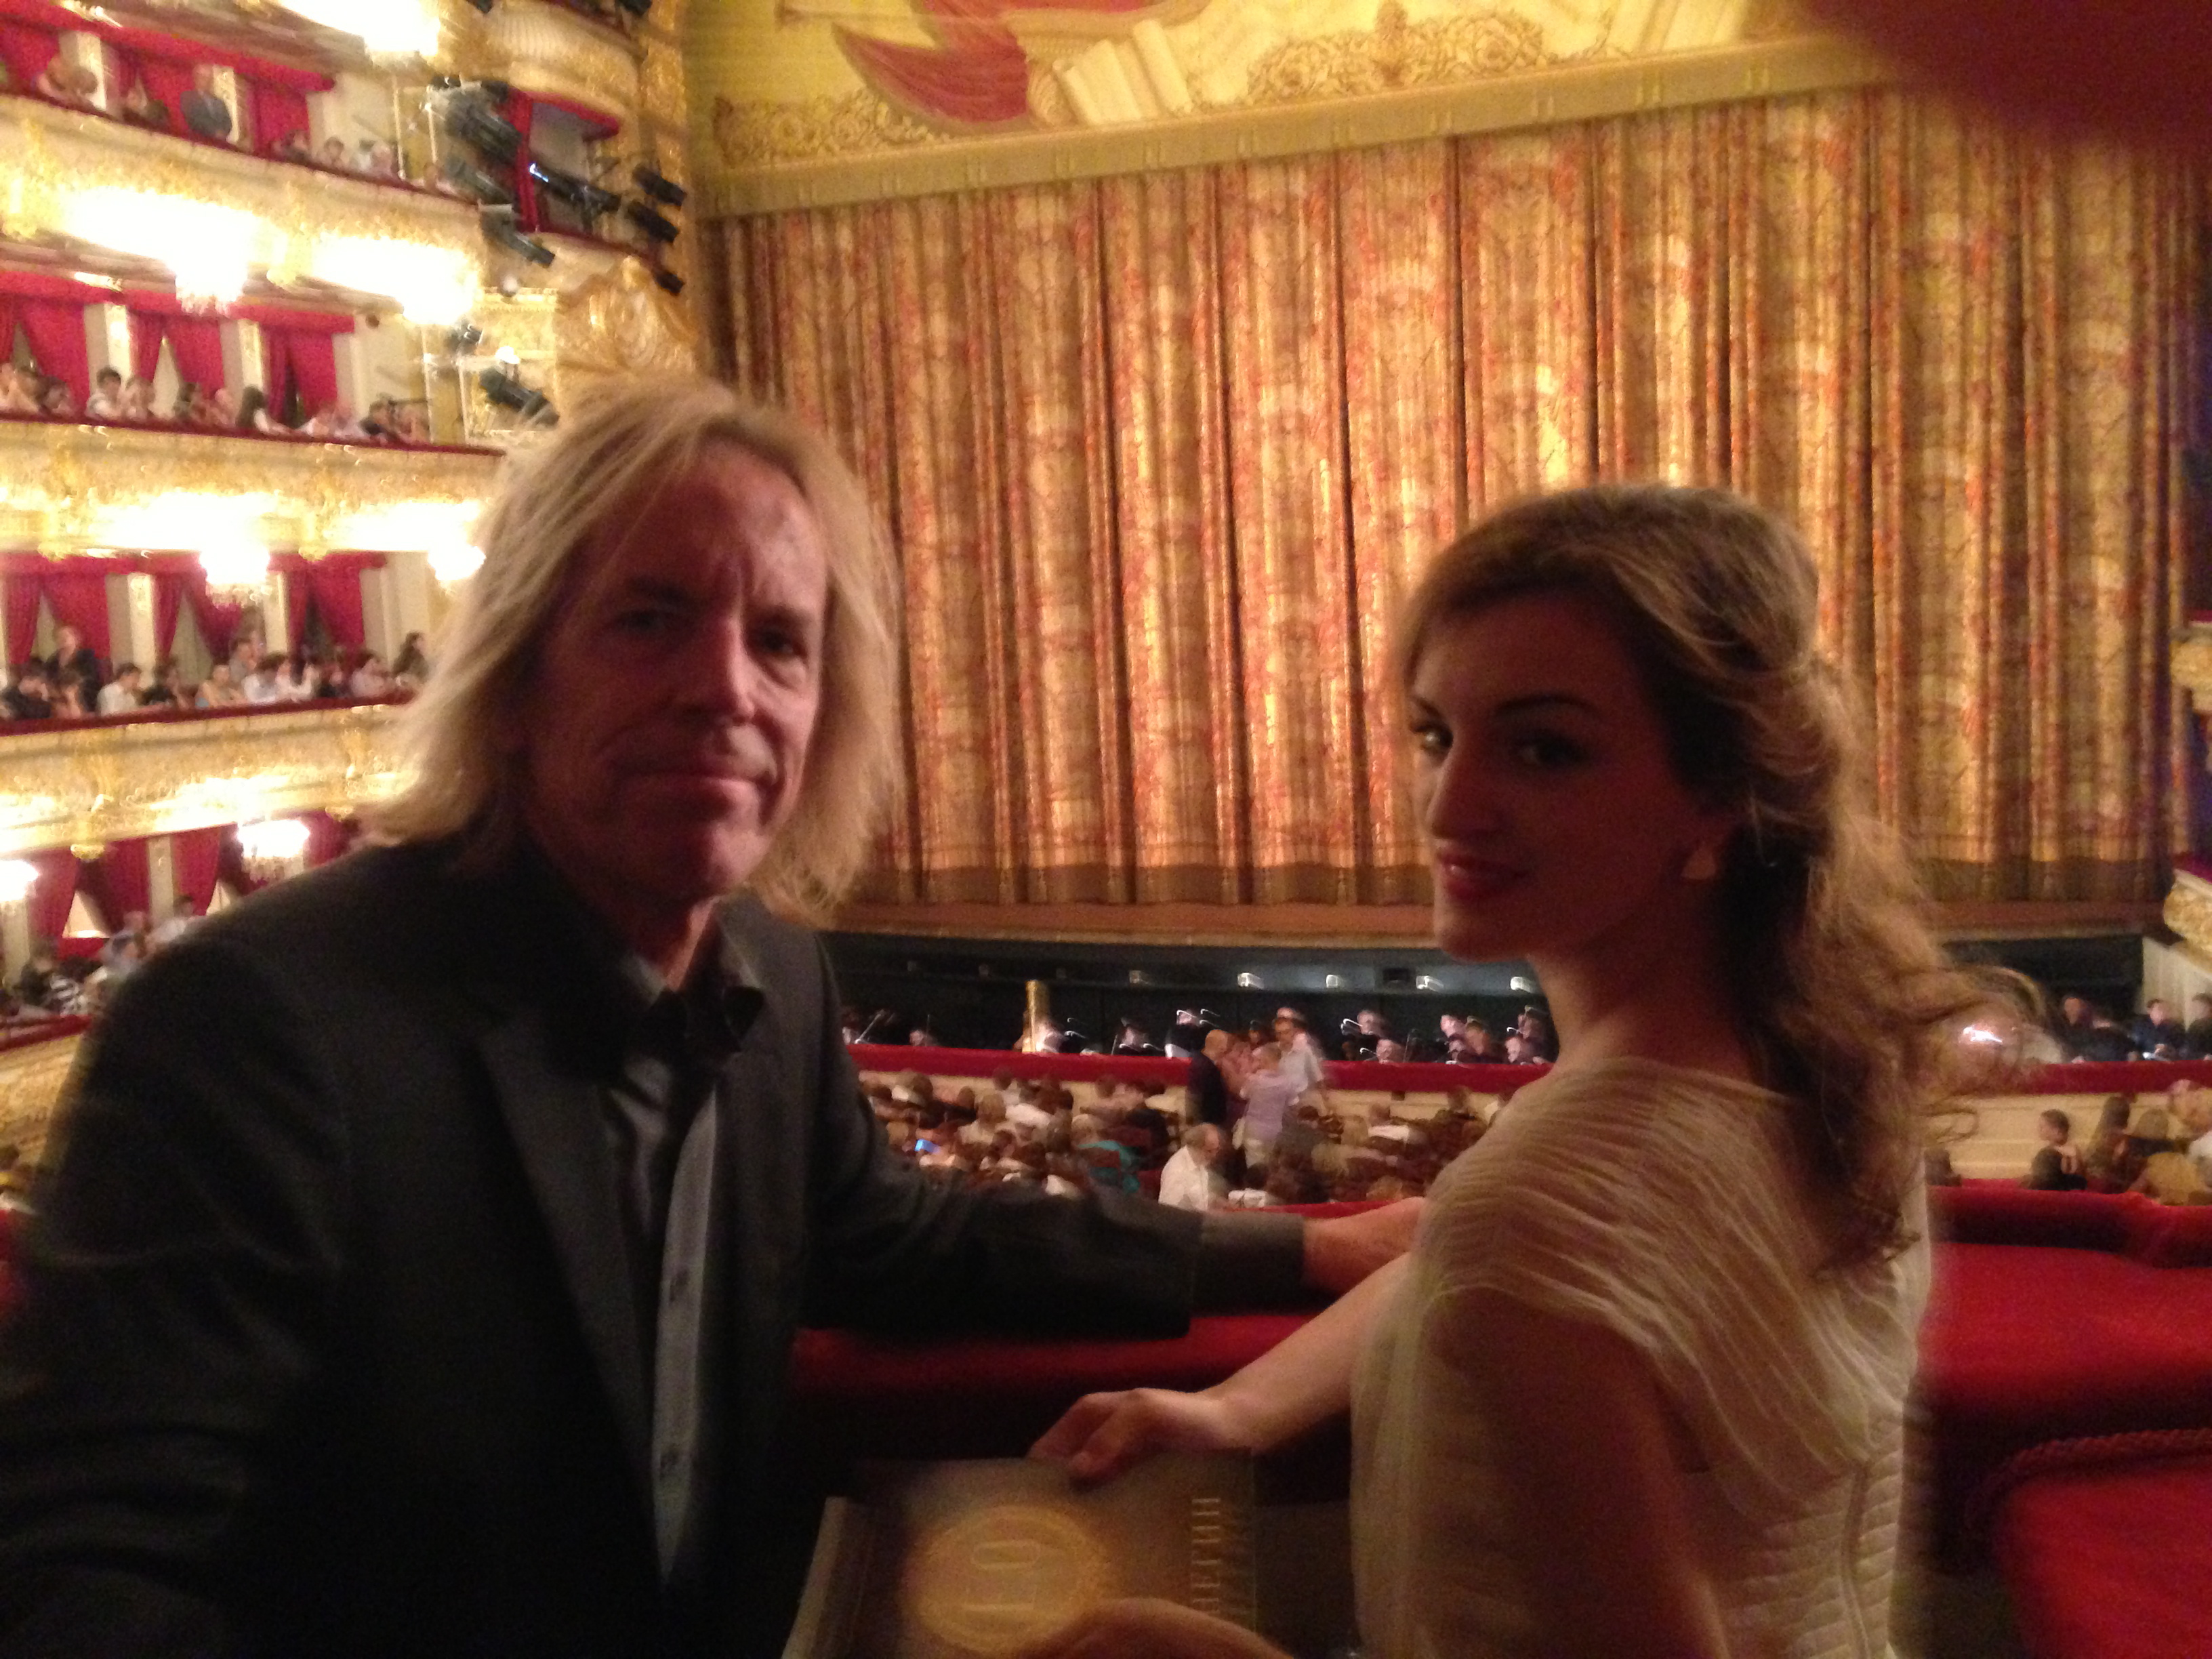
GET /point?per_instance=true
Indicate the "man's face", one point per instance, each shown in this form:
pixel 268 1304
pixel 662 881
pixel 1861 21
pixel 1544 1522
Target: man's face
pixel 66 639
pixel 2155 1009
pixel 2075 1009
pixel 665 731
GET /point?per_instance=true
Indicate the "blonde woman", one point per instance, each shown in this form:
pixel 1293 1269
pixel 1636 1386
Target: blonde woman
pixel 1638 1390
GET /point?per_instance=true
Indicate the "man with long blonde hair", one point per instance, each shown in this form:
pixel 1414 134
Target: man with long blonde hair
pixel 422 1272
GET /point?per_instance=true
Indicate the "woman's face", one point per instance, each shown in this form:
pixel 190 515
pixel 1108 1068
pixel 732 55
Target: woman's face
pixel 1555 820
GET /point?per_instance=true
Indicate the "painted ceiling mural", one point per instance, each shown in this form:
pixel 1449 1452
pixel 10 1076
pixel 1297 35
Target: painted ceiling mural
pixel 784 81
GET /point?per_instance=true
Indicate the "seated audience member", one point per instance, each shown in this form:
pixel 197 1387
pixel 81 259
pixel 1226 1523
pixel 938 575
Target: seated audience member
pixel 120 694
pixel 1110 1166
pixel 204 110
pixel 380 426
pixel 1299 1054
pixel 67 84
pixel 56 402
pixel 141 108
pixel 71 655
pixel 1301 1137
pixel 1535 1030
pixel 222 409
pixel 18 391
pixel 246 655
pixel 1520 1051
pixel 295 681
pixel 264 684
pixel 380 160
pixel 1481 1045
pixel 331 677
pixel 1269 1094
pixel 2056 1167
pixel 332 155
pixel 137 399
pixel 183 918
pixel 134 928
pixel 412 423
pixel 2107 1144
pixel 68 697
pixel 42 984
pixel 292 147
pixel 2197 1035
pixel 1390 1052
pixel 2167 1173
pixel 1189 1180
pixel 28 699
pixel 412 665
pixel 2157 1034
pixel 2104 1042
pixel 253 413
pixel 168 690
pixel 220 689
pixel 106 402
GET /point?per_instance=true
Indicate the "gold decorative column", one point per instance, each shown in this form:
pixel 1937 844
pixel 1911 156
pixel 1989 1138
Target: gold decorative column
pixel 2188 903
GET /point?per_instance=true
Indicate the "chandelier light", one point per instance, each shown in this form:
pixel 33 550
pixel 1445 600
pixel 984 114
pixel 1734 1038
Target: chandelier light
pixel 16 880
pixel 273 847
pixel 450 566
pixel 401 28
pixel 209 248
pixel 436 287
pixel 237 572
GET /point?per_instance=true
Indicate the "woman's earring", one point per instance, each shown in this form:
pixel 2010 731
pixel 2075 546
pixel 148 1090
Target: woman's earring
pixel 1702 864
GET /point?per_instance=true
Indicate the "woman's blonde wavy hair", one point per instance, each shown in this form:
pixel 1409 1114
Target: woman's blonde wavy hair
pixel 1847 1002
pixel 609 457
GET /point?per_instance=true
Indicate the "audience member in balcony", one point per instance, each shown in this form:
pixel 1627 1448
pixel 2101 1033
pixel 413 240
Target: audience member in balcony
pixel 253 414
pixel 2104 1042
pixel 120 694
pixel 68 83
pixel 2196 1036
pixel 204 110
pixel 265 683
pixel 295 680
pixel 2156 1035
pixel 137 400
pixel 71 655
pixel 333 155
pixel 2105 1161
pixel 1389 1051
pixel 70 701
pixel 220 689
pixel 56 401
pixel 141 108
pixel 370 680
pixel 292 146
pixel 184 916
pixel 19 393
pixel 106 402
pixel 2056 1165
pixel 2073 1026
pixel 222 409
pixel 381 159
pixel 191 407
pixel 42 984
pixel 411 667
pixel 31 696
pixel 168 690
pixel 1189 1180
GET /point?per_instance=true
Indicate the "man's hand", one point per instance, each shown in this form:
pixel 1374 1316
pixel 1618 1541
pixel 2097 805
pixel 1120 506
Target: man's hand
pixel 1103 1434
pixel 1344 1251
pixel 1149 1629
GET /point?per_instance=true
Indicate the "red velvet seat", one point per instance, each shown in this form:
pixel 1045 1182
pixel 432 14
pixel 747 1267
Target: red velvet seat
pixel 2107 1548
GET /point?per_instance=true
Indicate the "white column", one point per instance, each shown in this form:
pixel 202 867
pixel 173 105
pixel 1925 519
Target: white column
pixel 15 937
pixel 82 50
pixel 409 594
pixel 353 373
pixel 244 361
pixel 277 614
pixel 145 648
pixel 226 87
pixel 160 879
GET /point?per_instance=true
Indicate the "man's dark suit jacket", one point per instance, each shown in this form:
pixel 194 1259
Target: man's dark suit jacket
pixel 329 1347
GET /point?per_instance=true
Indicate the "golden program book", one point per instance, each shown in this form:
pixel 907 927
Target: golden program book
pixel 978 1559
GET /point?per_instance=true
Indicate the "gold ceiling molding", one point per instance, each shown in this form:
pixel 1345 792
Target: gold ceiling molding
pixel 156 777
pixel 62 482
pixel 1456 47
pixel 622 324
pixel 55 154
pixel 31 1079
pixel 2188 911
pixel 547 48
pixel 738 180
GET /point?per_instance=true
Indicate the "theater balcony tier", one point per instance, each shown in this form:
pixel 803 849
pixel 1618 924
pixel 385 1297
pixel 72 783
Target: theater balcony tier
pixel 72 487
pixel 75 180
pixel 83 787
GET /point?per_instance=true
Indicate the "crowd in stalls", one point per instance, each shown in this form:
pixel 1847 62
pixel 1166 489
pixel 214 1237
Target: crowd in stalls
pixel 71 682
pixel 2163 1151
pixel 1124 1137
pixel 116 401
pixel 50 987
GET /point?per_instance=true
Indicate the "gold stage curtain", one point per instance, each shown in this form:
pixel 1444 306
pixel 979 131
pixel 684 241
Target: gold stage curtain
pixel 1159 454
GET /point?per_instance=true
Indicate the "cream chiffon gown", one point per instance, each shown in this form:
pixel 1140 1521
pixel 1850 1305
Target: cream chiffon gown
pixel 1663 1205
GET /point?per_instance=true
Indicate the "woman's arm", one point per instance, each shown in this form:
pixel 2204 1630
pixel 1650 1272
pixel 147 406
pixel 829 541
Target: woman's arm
pixel 1301 1381
pixel 1591 1483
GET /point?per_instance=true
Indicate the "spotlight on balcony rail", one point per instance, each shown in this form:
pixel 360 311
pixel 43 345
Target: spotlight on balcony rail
pixel 669 280
pixel 587 199
pixel 665 191
pixel 499 230
pixel 652 224
pixel 509 393
pixel 473 181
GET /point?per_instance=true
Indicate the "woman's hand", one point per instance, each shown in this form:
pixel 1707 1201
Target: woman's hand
pixel 1151 1629
pixel 1103 1434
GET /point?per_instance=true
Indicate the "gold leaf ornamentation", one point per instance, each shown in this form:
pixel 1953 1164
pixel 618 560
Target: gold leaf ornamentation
pixel 1436 52
pixel 760 135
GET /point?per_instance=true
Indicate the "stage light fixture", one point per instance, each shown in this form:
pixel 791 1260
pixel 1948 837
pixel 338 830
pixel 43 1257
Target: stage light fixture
pixel 652 224
pixel 500 231
pixel 463 338
pixel 509 393
pixel 670 280
pixel 473 181
pixel 587 199
pixel 664 190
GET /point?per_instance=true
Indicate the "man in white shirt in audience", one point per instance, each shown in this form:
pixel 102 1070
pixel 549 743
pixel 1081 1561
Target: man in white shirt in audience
pixel 106 402
pixel 120 694
pixel 1301 1060
pixel 1189 1181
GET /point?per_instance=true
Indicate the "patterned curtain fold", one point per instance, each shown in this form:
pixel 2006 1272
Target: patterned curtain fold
pixel 1160 453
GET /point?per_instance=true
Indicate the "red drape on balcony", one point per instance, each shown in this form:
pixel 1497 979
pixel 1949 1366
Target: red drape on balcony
pixel 216 619
pixel 53 892
pixel 195 861
pixel 279 112
pixel 166 81
pixel 196 343
pixel 75 590
pixel 522 112
pixel 27 48
pixel 22 612
pixel 56 331
pixel 79 598
pixel 333 585
pixel 304 358
pixel 119 881
pixel 327 837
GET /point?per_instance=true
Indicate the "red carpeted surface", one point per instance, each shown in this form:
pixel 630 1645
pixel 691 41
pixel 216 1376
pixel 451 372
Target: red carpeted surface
pixel 2083 1330
pixel 2106 1551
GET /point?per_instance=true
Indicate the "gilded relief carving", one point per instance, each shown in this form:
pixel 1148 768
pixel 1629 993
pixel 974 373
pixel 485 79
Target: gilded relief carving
pixel 760 135
pixel 119 783
pixel 2188 911
pixel 622 323
pixel 1465 46
pixel 31 1082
